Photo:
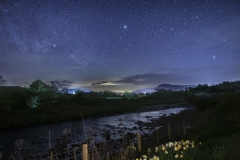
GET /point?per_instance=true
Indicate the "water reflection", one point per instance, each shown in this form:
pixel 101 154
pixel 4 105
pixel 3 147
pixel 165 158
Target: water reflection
pixel 77 133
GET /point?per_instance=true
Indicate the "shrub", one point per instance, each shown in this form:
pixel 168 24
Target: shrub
pixel 202 104
pixel 33 102
pixel 218 152
pixel 14 97
pixel 191 98
pixel 128 95
pixel 229 108
pixel 213 102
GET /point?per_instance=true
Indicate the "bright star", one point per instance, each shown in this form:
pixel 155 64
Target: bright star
pixel 214 57
pixel 125 26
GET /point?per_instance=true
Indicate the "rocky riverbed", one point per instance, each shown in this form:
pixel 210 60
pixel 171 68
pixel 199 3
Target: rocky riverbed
pixel 35 141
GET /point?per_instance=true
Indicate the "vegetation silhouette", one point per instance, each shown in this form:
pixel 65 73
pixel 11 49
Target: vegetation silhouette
pixel 216 121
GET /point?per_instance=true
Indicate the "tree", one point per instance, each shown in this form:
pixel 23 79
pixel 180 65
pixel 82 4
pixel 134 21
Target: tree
pixel 213 89
pixel 64 90
pixel 33 102
pixel 2 81
pixel 53 87
pixel 141 94
pixel 128 95
pixel 38 86
pixel 229 108
pixel 79 94
pixel 202 87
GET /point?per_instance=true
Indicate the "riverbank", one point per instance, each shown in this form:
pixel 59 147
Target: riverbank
pixel 67 136
pixel 128 136
pixel 206 127
pixel 68 110
pixel 165 106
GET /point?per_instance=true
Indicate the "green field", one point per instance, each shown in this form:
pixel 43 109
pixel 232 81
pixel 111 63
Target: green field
pixel 65 109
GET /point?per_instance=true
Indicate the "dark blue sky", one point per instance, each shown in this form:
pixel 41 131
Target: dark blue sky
pixel 132 44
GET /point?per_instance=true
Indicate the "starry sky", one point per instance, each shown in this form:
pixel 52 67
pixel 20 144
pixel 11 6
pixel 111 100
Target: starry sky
pixel 127 44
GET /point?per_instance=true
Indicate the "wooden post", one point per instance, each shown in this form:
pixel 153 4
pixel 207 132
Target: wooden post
pixel 139 141
pixel 169 131
pixel 123 138
pixel 184 128
pixel 84 152
pixel 74 152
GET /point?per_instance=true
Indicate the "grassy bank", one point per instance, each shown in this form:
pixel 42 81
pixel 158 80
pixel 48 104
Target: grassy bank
pixel 206 127
pixel 217 136
pixel 217 132
pixel 209 123
pixel 64 109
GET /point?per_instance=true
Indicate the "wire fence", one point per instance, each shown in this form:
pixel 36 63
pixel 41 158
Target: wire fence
pixel 130 146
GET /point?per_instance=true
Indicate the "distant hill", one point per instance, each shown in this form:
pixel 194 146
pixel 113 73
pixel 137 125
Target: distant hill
pixel 145 90
pixel 164 86
pixel 174 87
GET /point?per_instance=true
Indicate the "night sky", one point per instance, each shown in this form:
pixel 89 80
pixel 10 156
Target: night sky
pixel 131 44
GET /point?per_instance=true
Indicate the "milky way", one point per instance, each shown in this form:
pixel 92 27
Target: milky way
pixel 131 44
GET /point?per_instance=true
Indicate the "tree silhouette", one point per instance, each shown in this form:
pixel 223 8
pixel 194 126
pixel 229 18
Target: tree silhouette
pixel 2 81
pixel 39 86
pixel 53 86
pixel 128 95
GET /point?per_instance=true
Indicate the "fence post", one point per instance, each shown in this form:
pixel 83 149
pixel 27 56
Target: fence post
pixel 184 128
pixel 139 141
pixel 169 131
pixel 85 152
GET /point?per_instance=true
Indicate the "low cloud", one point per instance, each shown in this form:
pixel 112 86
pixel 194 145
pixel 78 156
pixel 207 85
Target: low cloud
pixel 98 83
pixel 60 84
pixel 153 78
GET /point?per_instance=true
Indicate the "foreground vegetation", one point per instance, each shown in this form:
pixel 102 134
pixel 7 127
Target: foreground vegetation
pixel 214 134
pixel 219 139
pixel 216 128
pixel 66 109
pixel 41 103
pixel 216 122
pixel 218 135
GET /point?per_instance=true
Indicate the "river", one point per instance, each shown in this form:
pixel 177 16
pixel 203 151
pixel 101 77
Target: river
pixel 35 140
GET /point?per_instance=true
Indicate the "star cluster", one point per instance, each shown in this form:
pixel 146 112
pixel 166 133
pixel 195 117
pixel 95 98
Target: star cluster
pixel 131 44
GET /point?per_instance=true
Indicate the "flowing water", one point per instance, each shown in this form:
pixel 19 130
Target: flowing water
pixel 37 139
